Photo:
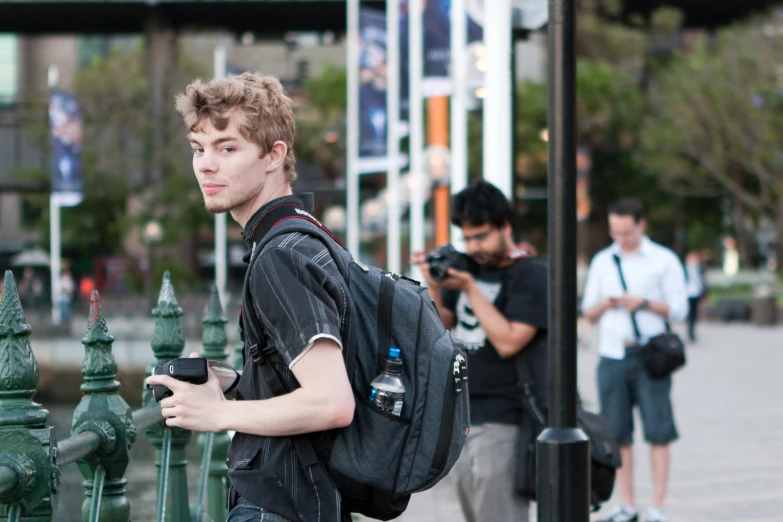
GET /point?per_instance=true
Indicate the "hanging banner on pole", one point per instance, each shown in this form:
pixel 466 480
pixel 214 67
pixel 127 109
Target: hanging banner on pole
pixel 65 125
pixel 373 120
pixel 372 91
pixel 437 47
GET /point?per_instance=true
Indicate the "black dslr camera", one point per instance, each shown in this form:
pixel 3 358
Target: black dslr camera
pixel 188 369
pixel 443 258
pixel 192 370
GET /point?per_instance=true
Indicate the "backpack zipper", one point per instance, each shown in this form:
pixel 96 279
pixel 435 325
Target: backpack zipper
pixel 458 375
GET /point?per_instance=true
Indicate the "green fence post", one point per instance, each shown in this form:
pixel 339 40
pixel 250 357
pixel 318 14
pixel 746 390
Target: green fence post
pixel 105 413
pixel 167 343
pixel 215 342
pixel 27 444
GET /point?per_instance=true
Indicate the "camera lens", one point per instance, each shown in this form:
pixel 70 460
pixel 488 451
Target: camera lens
pixel 438 273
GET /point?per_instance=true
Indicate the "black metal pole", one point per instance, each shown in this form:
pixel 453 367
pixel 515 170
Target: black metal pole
pixel 562 449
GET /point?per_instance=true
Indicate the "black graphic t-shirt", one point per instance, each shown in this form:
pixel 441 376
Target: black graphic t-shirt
pixel 495 395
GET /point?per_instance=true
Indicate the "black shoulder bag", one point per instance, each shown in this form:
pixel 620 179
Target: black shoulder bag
pixel 604 451
pixel 663 354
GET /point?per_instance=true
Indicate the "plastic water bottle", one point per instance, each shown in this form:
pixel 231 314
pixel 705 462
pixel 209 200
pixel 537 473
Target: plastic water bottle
pixel 387 390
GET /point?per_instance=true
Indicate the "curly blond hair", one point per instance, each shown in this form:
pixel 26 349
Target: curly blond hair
pixel 259 103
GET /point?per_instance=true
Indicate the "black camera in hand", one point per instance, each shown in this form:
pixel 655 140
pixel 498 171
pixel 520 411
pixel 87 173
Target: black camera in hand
pixel 443 258
pixel 188 369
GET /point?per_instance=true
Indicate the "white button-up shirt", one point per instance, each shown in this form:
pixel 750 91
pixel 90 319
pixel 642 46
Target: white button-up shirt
pixel 655 273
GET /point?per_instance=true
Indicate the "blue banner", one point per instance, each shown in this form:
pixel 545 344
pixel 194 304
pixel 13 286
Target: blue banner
pixel 65 125
pixel 437 46
pixel 373 121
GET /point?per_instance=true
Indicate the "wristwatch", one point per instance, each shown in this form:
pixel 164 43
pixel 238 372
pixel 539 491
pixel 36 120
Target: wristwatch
pixel 645 305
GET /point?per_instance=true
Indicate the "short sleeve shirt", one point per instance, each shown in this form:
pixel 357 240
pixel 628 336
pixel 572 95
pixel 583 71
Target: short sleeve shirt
pixel 519 291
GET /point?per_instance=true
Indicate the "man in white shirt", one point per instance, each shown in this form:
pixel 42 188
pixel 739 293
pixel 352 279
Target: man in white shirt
pixel 656 293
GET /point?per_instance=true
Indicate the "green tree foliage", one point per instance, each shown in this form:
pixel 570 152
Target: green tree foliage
pixel 113 93
pixel 321 121
pixel 716 126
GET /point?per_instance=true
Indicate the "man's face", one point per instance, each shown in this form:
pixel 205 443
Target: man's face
pixel 626 231
pixel 485 244
pixel 229 168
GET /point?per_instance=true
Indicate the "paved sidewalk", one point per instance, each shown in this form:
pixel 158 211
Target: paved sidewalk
pixel 728 464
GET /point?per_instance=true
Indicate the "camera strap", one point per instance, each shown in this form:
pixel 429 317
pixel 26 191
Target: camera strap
pixel 637 333
pixel 618 262
pixel 291 208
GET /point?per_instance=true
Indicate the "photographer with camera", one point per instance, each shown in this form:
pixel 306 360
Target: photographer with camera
pixel 494 300
pixel 241 131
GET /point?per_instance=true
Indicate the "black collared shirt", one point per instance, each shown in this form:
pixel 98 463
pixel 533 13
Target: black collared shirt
pixel 299 296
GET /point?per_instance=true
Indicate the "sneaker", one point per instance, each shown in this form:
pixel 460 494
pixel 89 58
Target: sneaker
pixel 656 515
pixel 621 514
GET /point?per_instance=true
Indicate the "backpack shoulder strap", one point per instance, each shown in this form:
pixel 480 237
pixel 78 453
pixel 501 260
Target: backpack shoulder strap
pixel 290 217
pixel 285 219
pixel 260 353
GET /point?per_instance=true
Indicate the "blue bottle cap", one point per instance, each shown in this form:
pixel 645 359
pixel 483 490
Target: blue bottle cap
pixel 394 352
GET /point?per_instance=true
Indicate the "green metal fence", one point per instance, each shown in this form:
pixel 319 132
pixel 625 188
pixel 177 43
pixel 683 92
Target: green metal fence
pixel 104 428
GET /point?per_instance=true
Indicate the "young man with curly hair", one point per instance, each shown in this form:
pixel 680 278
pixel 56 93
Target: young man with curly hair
pixel 241 130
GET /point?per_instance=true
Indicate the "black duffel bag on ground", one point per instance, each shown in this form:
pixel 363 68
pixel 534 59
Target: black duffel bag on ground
pixel 604 451
pixel 663 353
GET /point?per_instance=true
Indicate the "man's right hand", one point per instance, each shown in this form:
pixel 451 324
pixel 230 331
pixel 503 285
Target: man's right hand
pixel 418 258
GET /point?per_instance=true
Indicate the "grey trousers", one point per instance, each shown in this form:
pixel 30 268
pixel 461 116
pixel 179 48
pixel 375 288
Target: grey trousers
pixel 484 475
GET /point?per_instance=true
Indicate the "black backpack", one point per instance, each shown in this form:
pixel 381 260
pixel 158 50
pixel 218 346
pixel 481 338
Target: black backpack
pixel 380 459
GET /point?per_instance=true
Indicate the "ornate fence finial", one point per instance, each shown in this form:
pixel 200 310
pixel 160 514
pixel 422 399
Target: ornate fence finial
pixel 27 445
pixel 103 411
pixel 167 341
pixel 98 367
pixel 18 367
pixel 215 339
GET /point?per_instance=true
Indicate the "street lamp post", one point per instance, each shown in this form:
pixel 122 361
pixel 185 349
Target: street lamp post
pixel 562 449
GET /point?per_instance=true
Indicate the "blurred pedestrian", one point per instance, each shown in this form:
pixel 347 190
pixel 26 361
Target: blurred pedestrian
pixel 30 289
pixel 633 288
pixel 67 291
pixel 696 288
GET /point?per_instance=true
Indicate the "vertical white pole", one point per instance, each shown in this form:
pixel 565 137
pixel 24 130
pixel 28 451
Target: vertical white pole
pixel 55 245
pixel 459 116
pixel 497 104
pixel 392 135
pixel 418 179
pixel 221 235
pixel 352 130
